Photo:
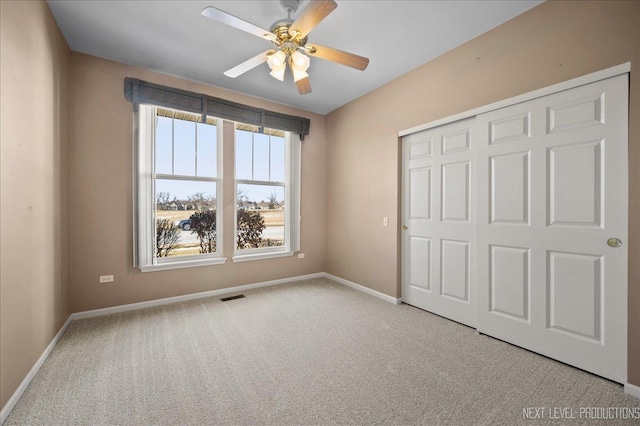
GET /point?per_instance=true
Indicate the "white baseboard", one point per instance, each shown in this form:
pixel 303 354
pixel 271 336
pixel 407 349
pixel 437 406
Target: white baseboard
pixel 6 410
pixel 186 297
pixel 632 390
pixel 364 289
pixel 212 293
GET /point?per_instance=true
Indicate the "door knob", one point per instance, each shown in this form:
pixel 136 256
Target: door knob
pixel 614 242
pixel 405 227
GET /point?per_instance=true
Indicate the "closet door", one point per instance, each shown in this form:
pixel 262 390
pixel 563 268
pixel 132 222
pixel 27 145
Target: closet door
pixel 552 212
pixel 437 250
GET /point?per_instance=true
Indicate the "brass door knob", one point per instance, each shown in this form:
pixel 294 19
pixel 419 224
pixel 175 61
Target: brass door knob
pixel 614 242
pixel 405 227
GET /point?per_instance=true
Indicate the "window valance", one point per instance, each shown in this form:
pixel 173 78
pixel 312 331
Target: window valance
pixel 143 92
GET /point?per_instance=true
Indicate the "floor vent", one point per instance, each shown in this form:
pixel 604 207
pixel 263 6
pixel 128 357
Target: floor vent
pixel 225 299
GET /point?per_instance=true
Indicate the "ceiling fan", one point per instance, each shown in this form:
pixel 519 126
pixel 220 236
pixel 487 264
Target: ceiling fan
pixel 290 40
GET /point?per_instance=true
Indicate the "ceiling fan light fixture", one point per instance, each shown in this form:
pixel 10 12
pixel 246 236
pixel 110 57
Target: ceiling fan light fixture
pixel 299 64
pixel 298 74
pixel 277 60
pixel 300 61
pixel 278 73
pixel 289 37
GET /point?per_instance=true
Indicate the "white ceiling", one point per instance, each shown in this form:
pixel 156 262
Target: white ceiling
pixel 173 38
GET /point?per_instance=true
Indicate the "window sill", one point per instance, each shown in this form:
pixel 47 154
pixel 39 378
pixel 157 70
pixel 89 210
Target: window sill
pixel 184 264
pixel 261 256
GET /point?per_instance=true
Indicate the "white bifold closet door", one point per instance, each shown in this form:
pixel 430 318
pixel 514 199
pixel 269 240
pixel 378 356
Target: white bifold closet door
pixel 552 192
pixel 438 256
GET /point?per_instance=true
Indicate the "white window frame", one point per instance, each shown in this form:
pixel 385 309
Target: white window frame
pixel 292 204
pixel 145 122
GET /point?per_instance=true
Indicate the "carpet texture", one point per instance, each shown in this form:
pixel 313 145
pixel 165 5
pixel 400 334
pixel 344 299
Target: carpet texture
pixel 313 352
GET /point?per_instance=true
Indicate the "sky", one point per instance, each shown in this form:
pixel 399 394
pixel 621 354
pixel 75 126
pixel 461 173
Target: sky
pixel 189 149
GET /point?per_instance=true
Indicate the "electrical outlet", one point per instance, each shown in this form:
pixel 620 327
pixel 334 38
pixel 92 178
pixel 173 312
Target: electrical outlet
pixel 300 255
pixel 106 278
pixel 385 221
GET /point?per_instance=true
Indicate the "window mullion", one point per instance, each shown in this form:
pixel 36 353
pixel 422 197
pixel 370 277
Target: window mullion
pixel 195 159
pixel 252 156
pixel 269 158
pixel 173 149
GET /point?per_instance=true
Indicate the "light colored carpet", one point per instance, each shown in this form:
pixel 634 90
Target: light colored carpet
pixel 313 352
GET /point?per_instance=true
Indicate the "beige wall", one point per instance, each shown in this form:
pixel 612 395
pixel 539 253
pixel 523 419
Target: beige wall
pixel 101 196
pixel 34 273
pixel 551 43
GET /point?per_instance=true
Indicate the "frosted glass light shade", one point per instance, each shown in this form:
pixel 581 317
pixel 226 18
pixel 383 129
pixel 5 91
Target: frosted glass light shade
pixel 277 60
pixel 278 73
pixel 300 60
pixel 298 75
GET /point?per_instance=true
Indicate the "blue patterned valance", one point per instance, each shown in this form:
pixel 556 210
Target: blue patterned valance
pixel 142 92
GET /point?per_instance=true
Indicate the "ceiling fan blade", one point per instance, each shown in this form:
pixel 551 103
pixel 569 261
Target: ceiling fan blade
pixel 249 64
pixel 311 16
pixel 338 56
pixel 233 21
pixel 303 86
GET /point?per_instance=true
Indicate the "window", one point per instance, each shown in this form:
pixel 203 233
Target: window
pixel 179 189
pixel 267 192
pixel 179 218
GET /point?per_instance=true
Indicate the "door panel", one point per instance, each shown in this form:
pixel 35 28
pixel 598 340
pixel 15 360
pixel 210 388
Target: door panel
pixel 509 129
pixel 553 188
pixel 509 188
pixel 456 141
pixel 576 113
pixel 455 192
pixel 420 262
pixel 509 281
pixel 454 272
pixel 420 148
pixel 575 184
pixel 420 193
pixel 574 294
pixel 438 256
